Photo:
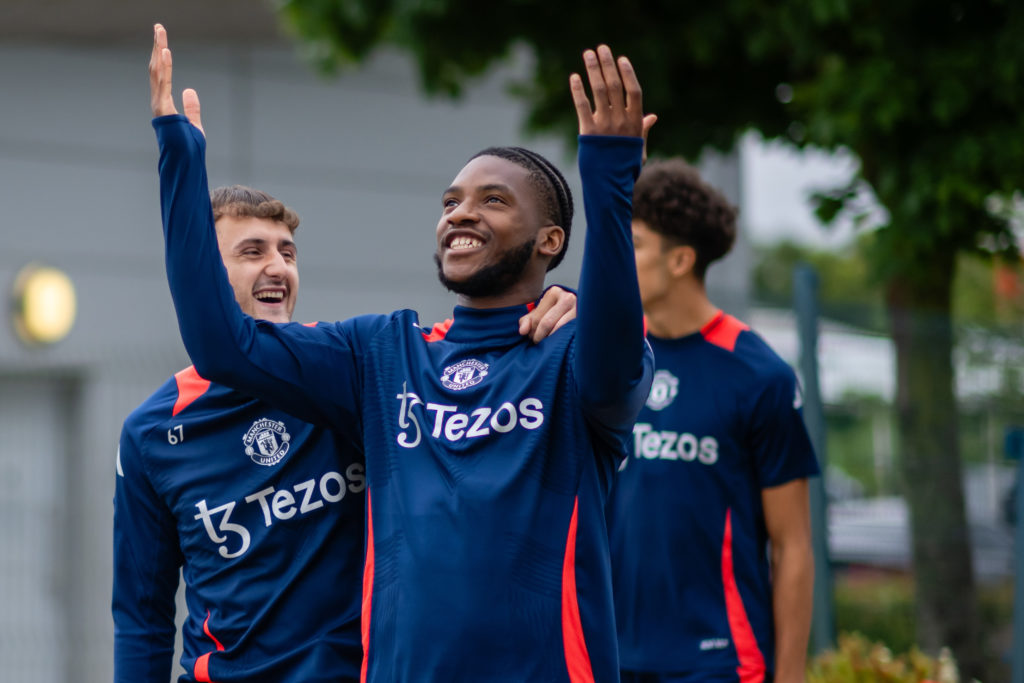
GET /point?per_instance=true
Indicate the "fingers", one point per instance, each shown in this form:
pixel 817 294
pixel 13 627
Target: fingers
pixel 618 99
pixel 160 93
pixel 610 73
pixel 595 75
pixel 584 113
pixel 563 309
pixel 190 103
pixel 648 123
pixel 631 85
pixel 556 308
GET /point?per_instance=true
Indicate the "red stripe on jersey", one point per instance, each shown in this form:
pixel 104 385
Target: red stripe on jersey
pixel 367 589
pixel 723 330
pixel 438 331
pixel 576 657
pixel 751 661
pixel 190 387
pixel 202 668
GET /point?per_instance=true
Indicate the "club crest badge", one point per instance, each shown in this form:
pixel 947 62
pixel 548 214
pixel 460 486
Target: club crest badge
pixel 266 442
pixel 663 390
pixel 464 374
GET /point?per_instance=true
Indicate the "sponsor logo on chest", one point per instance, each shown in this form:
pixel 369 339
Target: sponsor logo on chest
pixel 652 444
pixel 452 421
pixel 233 538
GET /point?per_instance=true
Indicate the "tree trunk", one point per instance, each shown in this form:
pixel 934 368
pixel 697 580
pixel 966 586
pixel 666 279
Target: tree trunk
pixel 946 602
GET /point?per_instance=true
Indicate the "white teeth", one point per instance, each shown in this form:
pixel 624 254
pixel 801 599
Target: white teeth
pixel 464 243
pixel 270 296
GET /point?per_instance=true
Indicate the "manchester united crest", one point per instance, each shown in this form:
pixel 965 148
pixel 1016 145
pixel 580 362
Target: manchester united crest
pixel 663 390
pixel 266 442
pixel 464 374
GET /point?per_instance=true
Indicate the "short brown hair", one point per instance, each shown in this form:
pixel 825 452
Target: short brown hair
pixel 239 201
pixel 674 201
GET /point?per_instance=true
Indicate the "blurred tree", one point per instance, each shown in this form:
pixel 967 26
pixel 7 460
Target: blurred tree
pixel 848 292
pixel 927 94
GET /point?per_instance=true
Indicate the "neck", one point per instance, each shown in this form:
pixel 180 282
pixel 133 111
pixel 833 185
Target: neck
pixel 685 309
pixel 520 293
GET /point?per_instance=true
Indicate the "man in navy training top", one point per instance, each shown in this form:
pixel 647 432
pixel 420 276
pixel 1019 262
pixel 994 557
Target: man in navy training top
pixel 263 511
pixel 489 458
pixel 720 466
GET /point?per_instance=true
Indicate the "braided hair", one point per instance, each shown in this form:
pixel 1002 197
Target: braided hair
pixel 555 196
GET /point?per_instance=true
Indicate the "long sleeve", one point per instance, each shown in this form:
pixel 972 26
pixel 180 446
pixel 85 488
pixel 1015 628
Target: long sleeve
pixel 613 363
pixel 282 364
pixel 147 558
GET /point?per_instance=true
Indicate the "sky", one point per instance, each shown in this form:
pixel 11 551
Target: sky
pixel 778 181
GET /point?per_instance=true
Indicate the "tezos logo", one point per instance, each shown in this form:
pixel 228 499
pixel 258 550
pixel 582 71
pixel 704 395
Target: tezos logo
pixel 464 374
pixel 663 390
pixel 266 442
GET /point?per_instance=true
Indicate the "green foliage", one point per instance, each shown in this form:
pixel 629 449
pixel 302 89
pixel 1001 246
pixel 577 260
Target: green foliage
pixel 927 96
pixel 876 607
pixel 879 606
pixel 859 660
pixel 848 291
pixel 988 291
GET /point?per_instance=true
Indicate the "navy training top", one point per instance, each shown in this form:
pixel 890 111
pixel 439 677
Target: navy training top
pixel 688 538
pixel 489 458
pixel 262 514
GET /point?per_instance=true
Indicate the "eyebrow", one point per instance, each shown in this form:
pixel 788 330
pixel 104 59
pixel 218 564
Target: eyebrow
pixel 490 187
pixel 260 242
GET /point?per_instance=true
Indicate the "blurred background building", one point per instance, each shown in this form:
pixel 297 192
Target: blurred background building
pixel 363 159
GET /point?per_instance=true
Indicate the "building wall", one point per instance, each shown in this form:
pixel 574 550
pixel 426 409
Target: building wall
pixel 363 159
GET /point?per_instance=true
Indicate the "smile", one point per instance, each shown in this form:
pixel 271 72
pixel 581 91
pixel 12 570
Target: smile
pixel 270 296
pixel 464 242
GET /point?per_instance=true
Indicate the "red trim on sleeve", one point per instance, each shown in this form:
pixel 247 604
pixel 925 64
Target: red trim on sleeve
pixel 577 660
pixel 312 324
pixel 202 667
pixel 190 387
pixel 438 331
pixel 751 661
pixel 367 590
pixel 723 330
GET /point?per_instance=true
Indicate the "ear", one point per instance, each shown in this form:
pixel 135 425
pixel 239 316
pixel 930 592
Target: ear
pixel 550 240
pixel 681 260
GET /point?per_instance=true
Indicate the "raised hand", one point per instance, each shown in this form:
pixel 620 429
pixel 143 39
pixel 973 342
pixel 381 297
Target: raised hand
pixel 618 100
pixel 161 95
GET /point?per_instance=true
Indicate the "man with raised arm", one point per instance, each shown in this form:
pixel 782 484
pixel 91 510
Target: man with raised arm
pixel 489 458
pixel 261 512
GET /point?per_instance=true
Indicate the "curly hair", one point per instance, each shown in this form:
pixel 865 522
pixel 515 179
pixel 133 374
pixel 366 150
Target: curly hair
pixel 239 201
pixel 674 201
pixel 555 196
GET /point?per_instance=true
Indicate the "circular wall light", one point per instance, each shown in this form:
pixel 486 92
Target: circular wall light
pixel 44 305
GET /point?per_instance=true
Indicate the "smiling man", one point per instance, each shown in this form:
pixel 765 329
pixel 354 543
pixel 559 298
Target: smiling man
pixel 262 513
pixel 489 458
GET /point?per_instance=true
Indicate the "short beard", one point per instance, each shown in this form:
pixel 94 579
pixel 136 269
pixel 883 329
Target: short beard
pixel 494 279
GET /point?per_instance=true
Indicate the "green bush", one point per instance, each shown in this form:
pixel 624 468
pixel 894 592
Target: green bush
pixel 860 660
pixel 878 605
